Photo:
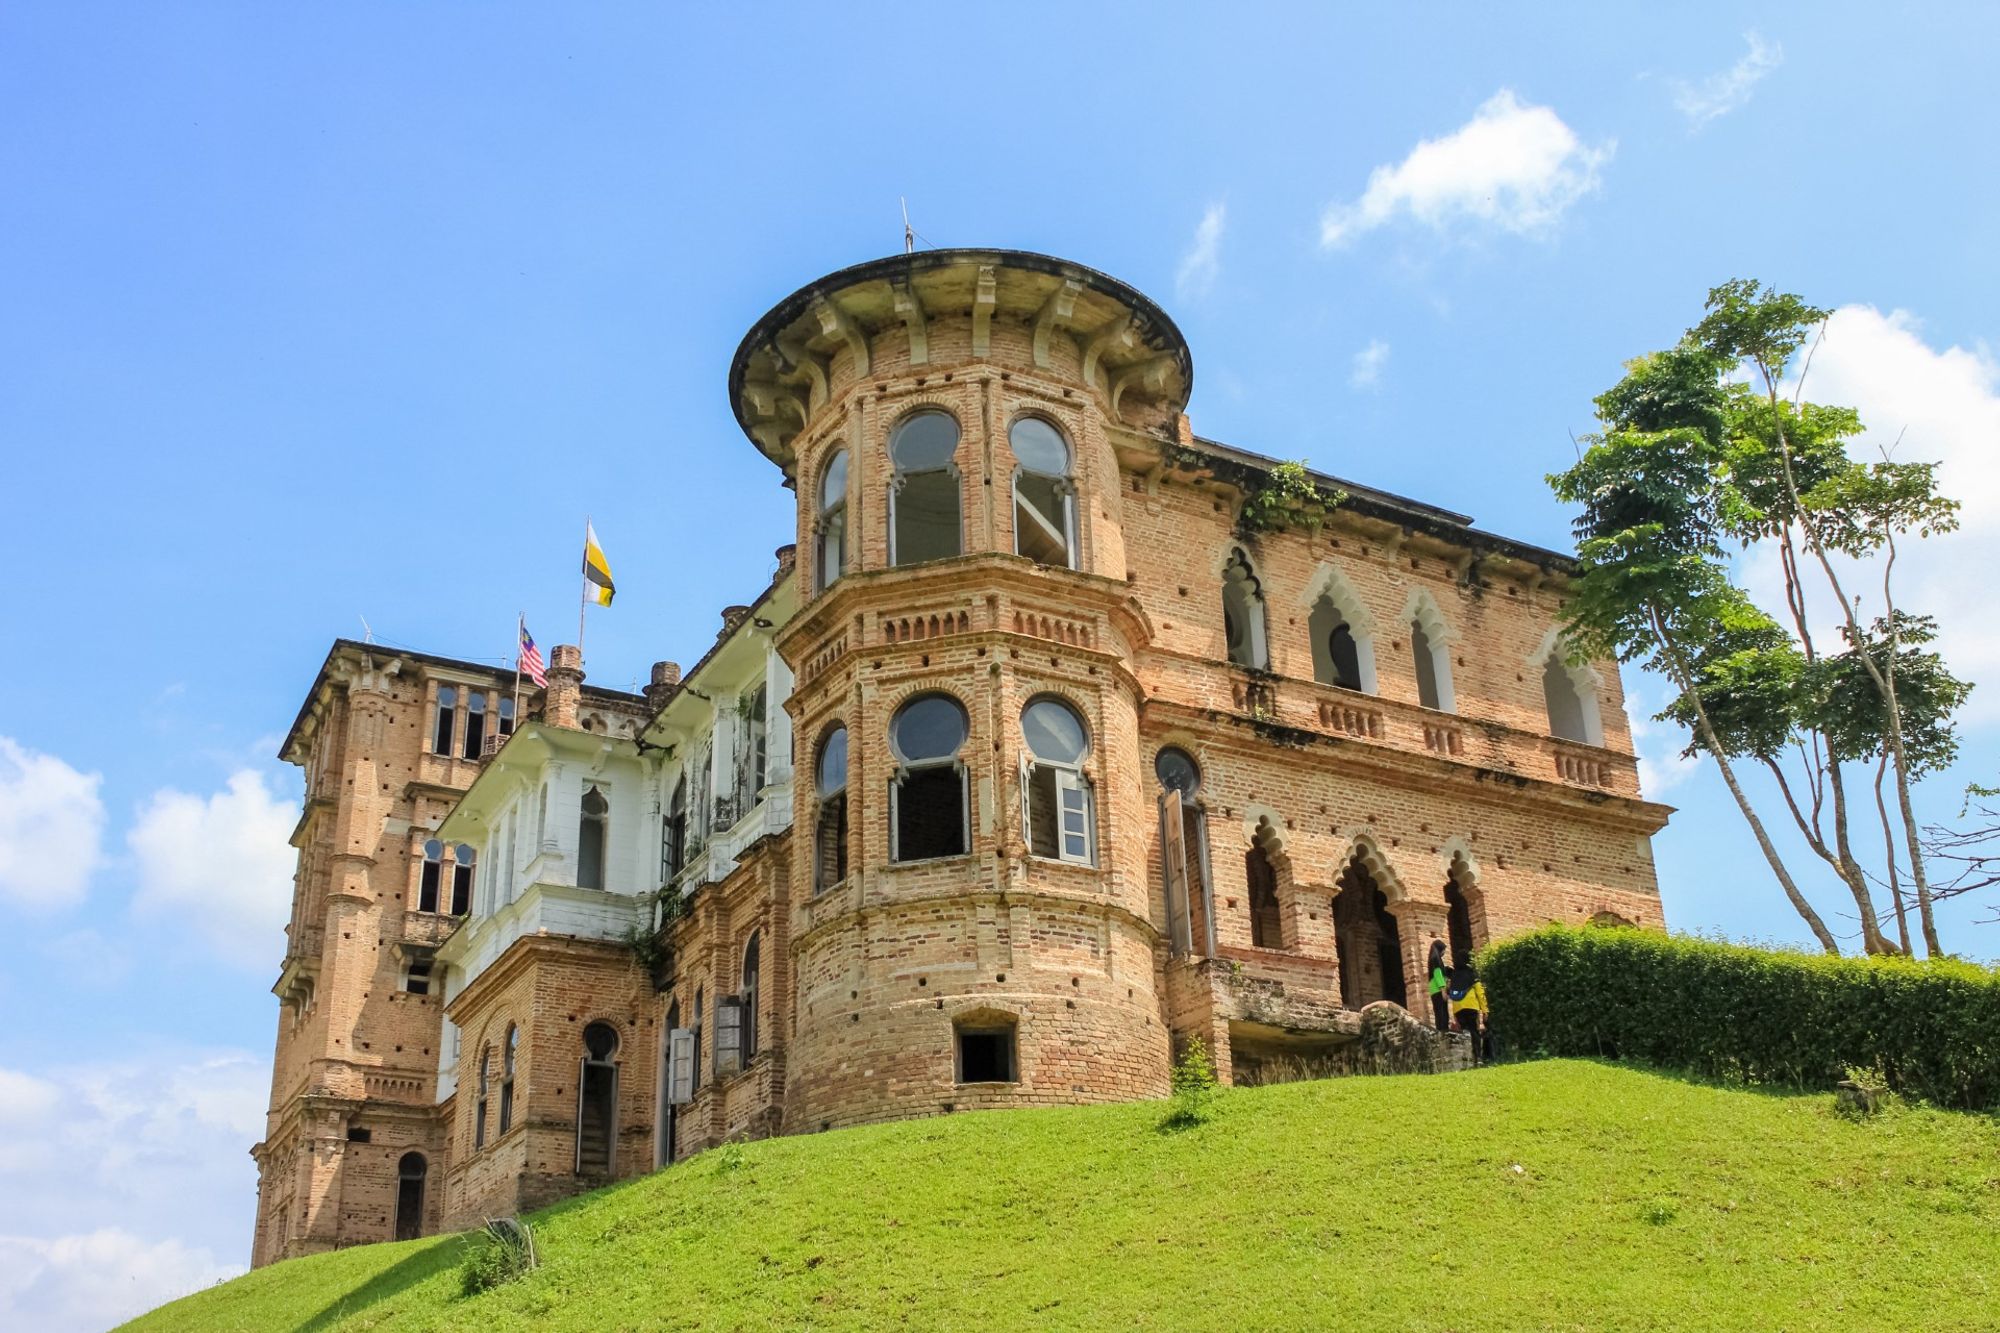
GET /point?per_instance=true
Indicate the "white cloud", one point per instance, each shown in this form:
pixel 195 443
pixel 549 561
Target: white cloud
pixel 1658 745
pixel 51 823
pixel 1512 166
pixel 1202 263
pixel 1719 94
pixel 124 1181
pixel 1368 363
pixel 1945 407
pixel 224 863
pixel 94 1280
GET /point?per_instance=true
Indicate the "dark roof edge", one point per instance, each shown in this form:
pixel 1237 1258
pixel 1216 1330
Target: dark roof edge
pixel 1435 520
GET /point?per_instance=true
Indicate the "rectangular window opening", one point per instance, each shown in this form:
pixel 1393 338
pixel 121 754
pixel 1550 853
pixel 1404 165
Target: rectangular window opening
pixel 930 813
pixel 986 1055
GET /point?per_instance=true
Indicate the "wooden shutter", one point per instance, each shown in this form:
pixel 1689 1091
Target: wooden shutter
pixel 1072 817
pixel 1173 851
pixel 680 1066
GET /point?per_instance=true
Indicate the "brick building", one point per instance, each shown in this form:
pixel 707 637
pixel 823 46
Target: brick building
pixel 1059 734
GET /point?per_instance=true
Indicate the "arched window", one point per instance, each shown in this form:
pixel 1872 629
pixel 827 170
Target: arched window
pixel 1342 642
pixel 1425 658
pixel 461 879
pixel 597 1101
pixel 1243 613
pixel 1267 922
pixel 1055 795
pixel 475 723
pixel 832 539
pixel 751 979
pixel 1044 499
pixel 1572 703
pixel 927 806
pixel 673 832
pixel 591 818
pixel 1366 940
pixel 509 1054
pixel 664 1148
pixel 506 716
pixel 410 1173
pixel 1430 652
pixel 923 499
pixel 447 719
pixel 830 828
pixel 479 1106
pixel 431 879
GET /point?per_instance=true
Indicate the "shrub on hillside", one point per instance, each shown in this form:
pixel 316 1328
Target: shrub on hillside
pixel 1734 1013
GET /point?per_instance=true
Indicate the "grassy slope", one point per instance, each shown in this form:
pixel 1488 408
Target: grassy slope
pixel 1394 1203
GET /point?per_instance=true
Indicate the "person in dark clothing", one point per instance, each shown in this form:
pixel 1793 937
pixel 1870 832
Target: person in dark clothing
pixel 1434 970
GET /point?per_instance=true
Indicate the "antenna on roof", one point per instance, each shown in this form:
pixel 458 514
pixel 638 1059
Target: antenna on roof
pixel 367 630
pixel 909 236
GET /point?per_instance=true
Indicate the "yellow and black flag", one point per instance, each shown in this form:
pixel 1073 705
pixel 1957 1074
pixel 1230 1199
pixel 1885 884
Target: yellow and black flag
pixel 597 585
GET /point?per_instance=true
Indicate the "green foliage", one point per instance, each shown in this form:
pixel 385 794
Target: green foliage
pixel 1747 1015
pixel 502 1252
pixel 1287 498
pixel 730 1157
pixel 1194 1085
pixel 1385 1203
pixel 1847 706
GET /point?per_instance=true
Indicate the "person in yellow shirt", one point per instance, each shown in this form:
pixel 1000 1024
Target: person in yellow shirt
pixel 1468 1009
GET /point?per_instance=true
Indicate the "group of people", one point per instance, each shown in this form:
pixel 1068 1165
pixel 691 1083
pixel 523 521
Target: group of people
pixel 1458 1000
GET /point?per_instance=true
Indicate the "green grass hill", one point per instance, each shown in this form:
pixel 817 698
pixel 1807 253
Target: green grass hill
pixel 1559 1194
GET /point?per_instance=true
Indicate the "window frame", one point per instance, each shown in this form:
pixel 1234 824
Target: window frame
pixel 1064 484
pixel 510 1050
pixel 1256 629
pixel 584 820
pixel 475 724
pixel 1074 793
pixel 831 803
pixel 906 768
pixel 444 724
pixel 899 478
pixel 464 877
pixel 430 877
pixel 831 517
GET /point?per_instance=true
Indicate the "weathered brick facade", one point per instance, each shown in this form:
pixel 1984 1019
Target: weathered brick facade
pixel 1367 730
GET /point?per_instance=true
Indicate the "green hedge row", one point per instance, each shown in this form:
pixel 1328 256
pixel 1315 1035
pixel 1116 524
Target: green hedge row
pixel 1733 1013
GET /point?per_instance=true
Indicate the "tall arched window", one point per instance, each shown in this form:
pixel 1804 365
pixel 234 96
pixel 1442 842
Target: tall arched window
pixel 506 716
pixel 923 499
pixel 1430 688
pixel 410 1173
pixel 1571 700
pixel 927 806
pixel 750 751
pixel 430 879
pixel 1183 844
pixel 1267 921
pixel 1430 652
pixel 1055 796
pixel 475 723
pixel 597 1101
pixel 831 559
pixel 479 1105
pixel 1342 634
pixel 590 828
pixel 510 1052
pixel 830 826
pixel 752 979
pixel 1243 613
pixel 674 831
pixel 1367 939
pixel 446 721
pixel 461 879
pixel 664 1149
pixel 1044 499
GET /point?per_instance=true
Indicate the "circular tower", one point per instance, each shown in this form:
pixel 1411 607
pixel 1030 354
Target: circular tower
pixel 973 919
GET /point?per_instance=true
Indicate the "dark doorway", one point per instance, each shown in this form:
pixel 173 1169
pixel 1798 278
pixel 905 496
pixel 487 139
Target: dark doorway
pixel 410 1174
pixel 1366 941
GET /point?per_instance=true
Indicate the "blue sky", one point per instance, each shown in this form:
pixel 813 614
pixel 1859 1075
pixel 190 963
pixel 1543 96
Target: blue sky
pixel 316 313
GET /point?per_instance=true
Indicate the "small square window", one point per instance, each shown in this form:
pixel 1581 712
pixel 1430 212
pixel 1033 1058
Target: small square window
pixel 417 981
pixel 986 1055
pixel 355 1134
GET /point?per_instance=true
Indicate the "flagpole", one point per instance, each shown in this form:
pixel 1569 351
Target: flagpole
pixel 520 632
pixel 583 594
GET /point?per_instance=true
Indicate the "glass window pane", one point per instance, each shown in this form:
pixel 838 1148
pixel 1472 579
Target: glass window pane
pixel 932 727
pixel 927 526
pixel 833 762
pixel 1039 447
pixel 924 441
pixel 1177 772
pixel 1041 520
pixel 833 482
pixel 1054 731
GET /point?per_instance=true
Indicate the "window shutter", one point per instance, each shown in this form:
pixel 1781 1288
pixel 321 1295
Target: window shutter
pixel 680 1066
pixel 1073 815
pixel 1173 852
pixel 896 815
pixel 1027 775
pixel 728 1035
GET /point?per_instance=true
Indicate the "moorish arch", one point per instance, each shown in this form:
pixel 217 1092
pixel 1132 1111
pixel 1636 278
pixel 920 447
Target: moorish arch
pixel 1342 629
pixel 1367 934
pixel 1570 690
pixel 1466 929
pixel 1431 642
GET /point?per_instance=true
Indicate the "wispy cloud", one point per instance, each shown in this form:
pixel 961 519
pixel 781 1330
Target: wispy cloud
pixel 1513 166
pixel 1202 263
pixel 1366 372
pixel 221 864
pixel 1719 94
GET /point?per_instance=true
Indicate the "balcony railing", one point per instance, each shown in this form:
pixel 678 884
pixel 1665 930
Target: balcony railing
pixel 427 930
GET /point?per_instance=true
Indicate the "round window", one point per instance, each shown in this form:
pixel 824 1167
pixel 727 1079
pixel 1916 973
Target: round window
pixel 1039 447
pixel 1054 732
pixel 924 441
pixel 1176 771
pixel 930 727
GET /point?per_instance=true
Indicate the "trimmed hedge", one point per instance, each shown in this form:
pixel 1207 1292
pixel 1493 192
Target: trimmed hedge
pixel 1739 1014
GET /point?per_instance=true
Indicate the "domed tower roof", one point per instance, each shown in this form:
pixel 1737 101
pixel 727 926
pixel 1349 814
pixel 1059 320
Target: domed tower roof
pixel 784 366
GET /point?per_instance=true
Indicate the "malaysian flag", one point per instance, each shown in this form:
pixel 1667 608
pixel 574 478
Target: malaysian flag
pixel 531 664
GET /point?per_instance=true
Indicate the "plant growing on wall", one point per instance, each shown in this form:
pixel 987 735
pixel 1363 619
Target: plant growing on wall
pixel 1287 497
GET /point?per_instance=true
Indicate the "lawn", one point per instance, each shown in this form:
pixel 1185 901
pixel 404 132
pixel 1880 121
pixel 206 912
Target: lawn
pixel 1558 1194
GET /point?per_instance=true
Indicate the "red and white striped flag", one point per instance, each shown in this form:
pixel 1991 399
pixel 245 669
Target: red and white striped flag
pixel 531 659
